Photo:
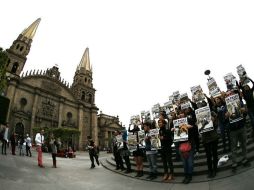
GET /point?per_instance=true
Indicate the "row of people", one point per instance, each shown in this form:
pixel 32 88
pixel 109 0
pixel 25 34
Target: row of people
pixel 231 134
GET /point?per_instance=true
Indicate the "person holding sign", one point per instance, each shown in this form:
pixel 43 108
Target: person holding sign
pixel 151 152
pixel 116 151
pixel 166 149
pixel 249 98
pixel 236 114
pixel 138 153
pixel 183 133
pixel 210 140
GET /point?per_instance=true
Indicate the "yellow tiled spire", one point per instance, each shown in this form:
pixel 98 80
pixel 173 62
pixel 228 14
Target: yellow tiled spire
pixel 31 30
pixel 85 61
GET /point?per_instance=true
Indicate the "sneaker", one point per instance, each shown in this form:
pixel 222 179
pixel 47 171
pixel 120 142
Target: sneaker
pixel 92 166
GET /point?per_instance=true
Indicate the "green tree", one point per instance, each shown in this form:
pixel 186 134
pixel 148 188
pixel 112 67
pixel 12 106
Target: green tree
pixel 3 62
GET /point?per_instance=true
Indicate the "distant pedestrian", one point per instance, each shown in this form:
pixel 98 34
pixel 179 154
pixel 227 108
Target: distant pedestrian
pixel 20 144
pixel 53 144
pixel 39 140
pixel 28 145
pixel 13 143
pixel 93 152
pixel 5 133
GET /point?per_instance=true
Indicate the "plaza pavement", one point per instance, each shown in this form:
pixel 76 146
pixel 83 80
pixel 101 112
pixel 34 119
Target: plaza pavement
pixel 22 173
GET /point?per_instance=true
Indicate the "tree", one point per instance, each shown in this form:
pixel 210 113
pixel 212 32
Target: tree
pixel 3 63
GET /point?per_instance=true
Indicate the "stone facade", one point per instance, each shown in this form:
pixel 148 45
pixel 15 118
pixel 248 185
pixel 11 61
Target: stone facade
pixel 107 125
pixel 43 99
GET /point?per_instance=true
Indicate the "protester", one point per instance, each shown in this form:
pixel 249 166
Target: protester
pixel 238 134
pixel 248 96
pixel 116 151
pixel 210 142
pixel 223 122
pixel 138 153
pixel 39 140
pixel 151 153
pixel 125 153
pixel 188 156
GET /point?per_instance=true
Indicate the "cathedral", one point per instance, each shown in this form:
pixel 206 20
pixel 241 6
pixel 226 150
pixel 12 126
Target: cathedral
pixel 43 99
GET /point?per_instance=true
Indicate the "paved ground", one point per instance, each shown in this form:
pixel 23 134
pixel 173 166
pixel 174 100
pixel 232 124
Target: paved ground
pixel 22 173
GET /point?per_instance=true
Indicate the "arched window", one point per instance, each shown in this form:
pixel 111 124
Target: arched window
pixel 83 95
pixel 15 67
pixel 90 98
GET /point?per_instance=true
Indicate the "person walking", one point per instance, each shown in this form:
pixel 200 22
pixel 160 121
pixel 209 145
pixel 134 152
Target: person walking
pixel 5 133
pixel 53 144
pixel 28 145
pixel 13 143
pixel 93 152
pixel 39 140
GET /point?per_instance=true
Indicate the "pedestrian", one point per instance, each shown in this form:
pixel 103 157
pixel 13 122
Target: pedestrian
pixel 28 145
pixel 20 144
pixel 39 140
pixel 93 152
pixel 53 144
pixel 5 133
pixel 13 143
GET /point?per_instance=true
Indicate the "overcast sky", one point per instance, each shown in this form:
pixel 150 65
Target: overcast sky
pixel 141 51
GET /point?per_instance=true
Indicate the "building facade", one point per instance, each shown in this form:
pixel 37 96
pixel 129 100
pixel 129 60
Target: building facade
pixel 43 99
pixel 107 125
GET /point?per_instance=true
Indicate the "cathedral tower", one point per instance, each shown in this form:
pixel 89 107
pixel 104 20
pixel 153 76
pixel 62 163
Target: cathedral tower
pixel 82 86
pixel 20 48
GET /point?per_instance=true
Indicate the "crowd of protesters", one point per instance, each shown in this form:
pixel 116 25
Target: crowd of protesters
pixel 233 135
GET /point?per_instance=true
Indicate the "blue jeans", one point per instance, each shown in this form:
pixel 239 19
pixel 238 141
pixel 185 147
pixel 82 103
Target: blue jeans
pixel 224 132
pixel 152 160
pixel 188 163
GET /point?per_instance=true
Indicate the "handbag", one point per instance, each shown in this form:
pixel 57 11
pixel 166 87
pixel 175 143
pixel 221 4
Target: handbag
pixel 185 149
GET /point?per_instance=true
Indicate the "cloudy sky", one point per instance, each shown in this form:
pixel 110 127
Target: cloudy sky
pixel 141 50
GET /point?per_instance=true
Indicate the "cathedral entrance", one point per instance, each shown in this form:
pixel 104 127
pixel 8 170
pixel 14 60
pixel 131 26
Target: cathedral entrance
pixel 19 129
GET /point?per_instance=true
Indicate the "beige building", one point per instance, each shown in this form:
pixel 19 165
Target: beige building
pixel 107 125
pixel 44 99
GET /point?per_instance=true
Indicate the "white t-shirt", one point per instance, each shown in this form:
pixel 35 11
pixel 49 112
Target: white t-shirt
pixel 39 139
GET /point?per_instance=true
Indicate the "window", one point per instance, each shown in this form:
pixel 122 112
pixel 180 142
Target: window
pixel 17 47
pixel 21 48
pixel 14 67
pixel 83 96
pixel 69 115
